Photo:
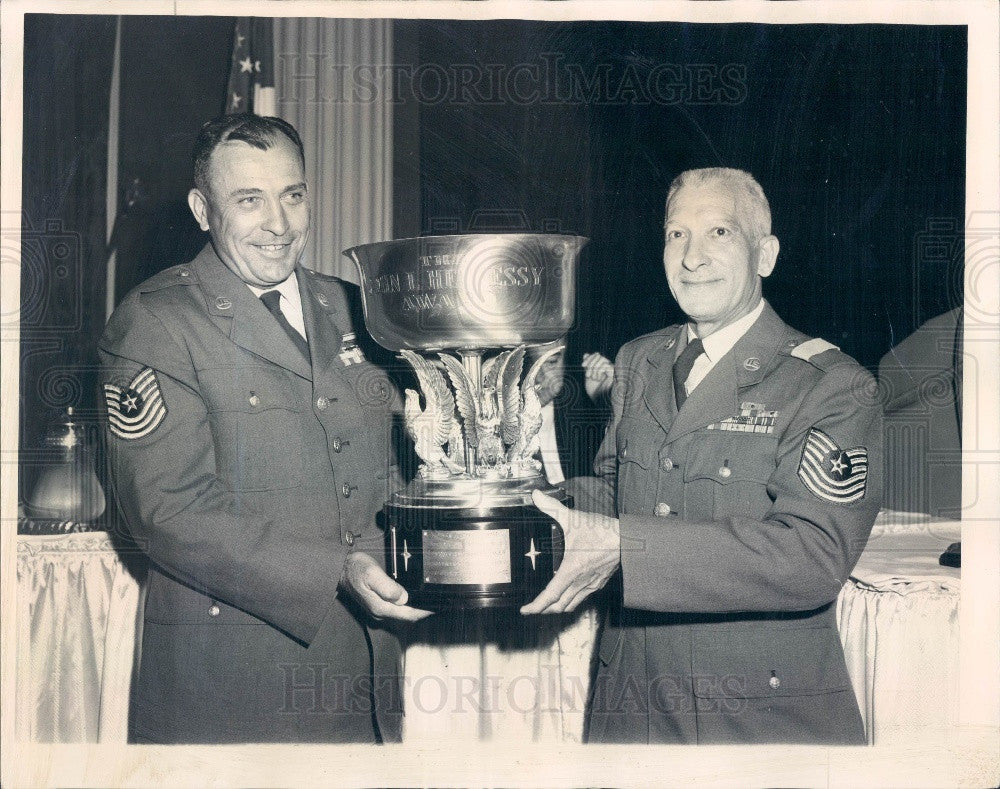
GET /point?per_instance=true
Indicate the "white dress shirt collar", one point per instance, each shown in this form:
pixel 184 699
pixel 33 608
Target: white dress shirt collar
pixel 718 343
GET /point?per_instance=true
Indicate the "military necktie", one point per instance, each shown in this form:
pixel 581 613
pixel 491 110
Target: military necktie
pixel 271 300
pixel 682 369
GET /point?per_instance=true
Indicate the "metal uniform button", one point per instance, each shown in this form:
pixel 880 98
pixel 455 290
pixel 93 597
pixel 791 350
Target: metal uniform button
pixel 346 490
pixel 725 472
pixel 213 610
pixel 667 464
pixel 322 403
pixel 184 273
pixel 349 538
pixel 774 682
pixel 622 453
pixel 662 510
pixel 337 445
pixel 254 400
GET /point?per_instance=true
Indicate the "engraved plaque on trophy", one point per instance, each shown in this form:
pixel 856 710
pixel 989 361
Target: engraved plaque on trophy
pixel 461 311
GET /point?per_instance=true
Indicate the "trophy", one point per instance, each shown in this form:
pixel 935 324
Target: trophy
pixel 461 310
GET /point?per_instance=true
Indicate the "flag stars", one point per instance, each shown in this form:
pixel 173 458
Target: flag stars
pixel 240 38
pixel 246 65
pixel 237 100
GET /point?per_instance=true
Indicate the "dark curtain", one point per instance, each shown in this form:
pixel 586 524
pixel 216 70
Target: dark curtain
pixel 67 73
pixel 174 74
pixel 856 133
pixel 173 78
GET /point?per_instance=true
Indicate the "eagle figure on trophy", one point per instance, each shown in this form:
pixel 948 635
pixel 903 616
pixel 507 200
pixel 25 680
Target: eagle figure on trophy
pixel 487 427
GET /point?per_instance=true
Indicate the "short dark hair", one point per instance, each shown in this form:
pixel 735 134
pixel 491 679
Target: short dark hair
pixel 260 131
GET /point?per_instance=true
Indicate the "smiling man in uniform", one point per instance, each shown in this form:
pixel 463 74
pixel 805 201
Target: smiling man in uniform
pixel 736 488
pixel 249 446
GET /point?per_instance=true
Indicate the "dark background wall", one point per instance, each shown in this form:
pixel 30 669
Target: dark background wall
pixel 63 252
pixel 173 78
pixel 856 133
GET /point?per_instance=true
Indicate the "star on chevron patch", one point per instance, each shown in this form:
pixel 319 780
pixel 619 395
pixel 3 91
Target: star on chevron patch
pixel 137 409
pixel 831 473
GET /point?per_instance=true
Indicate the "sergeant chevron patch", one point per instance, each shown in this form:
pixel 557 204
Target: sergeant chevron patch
pixel 137 409
pixel 831 473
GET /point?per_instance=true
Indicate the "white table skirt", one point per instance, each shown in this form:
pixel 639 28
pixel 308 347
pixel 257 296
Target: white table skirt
pixel 76 618
pixel 898 622
pixel 898 619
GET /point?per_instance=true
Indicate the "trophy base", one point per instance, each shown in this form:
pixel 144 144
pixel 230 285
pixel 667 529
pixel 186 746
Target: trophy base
pixel 491 550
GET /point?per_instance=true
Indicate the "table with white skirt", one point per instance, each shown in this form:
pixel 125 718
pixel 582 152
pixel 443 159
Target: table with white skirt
pixel 487 676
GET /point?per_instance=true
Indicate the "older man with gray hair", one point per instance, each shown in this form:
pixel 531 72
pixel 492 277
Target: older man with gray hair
pixel 734 492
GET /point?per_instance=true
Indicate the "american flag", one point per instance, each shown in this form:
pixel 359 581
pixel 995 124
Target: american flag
pixel 251 72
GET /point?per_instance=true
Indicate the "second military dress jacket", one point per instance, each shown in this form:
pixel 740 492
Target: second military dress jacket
pixel 247 473
pixel 741 516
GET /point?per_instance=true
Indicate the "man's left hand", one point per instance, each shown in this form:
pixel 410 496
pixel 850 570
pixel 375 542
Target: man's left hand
pixel 592 554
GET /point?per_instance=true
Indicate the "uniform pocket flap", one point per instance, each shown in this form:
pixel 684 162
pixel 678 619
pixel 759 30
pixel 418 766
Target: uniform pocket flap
pixel 727 459
pixel 247 390
pixel 638 443
pixel 762 663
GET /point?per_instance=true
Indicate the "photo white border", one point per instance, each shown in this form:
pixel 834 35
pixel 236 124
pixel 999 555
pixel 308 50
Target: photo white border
pixel 969 757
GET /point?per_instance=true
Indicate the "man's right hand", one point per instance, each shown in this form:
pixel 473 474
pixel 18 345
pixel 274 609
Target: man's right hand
pixel 382 597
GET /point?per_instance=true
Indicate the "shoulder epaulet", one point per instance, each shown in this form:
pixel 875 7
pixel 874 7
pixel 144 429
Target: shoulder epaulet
pixel 819 353
pixel 654 336
pixel 175 275
pixel 320 276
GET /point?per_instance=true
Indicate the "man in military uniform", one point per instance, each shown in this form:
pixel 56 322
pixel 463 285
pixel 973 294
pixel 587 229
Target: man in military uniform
pixel 736 488
pixel 249 443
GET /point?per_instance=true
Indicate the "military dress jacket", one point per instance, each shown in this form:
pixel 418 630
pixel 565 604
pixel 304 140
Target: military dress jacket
pixel 741 516
pixel 247 472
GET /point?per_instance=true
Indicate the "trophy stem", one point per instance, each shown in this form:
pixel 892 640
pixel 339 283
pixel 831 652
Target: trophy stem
pixel 472 361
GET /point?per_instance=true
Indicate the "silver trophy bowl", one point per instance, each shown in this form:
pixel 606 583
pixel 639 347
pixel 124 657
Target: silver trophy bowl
pixel 468 291
pixel 464 533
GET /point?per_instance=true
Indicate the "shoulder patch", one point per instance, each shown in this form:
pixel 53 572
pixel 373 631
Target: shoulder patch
pixel 810 348
pixel 136 409
pixel 831 473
